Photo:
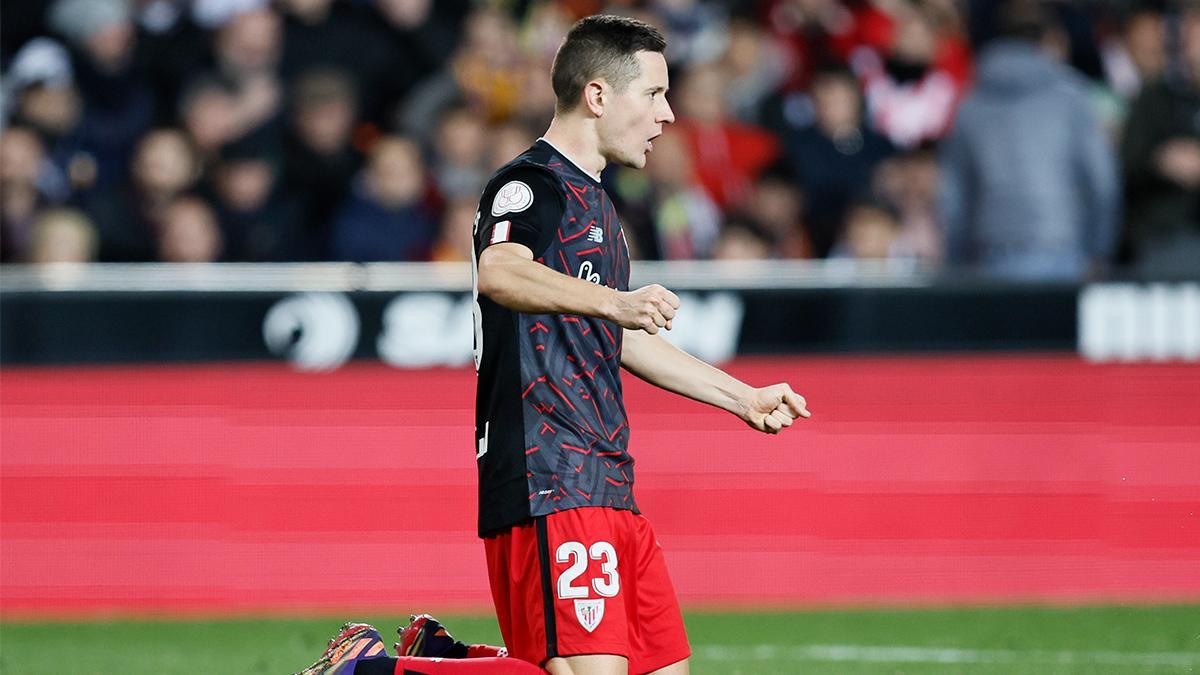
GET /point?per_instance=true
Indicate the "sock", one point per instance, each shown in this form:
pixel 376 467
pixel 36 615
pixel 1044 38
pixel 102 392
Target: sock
pixel 384 665
pixel 458 650
pixel 485 651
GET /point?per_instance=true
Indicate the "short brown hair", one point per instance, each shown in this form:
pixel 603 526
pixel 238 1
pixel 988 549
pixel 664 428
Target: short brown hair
pixel 601 46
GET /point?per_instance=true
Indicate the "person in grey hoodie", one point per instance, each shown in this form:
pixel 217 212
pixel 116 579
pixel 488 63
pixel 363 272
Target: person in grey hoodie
pixel 1029 187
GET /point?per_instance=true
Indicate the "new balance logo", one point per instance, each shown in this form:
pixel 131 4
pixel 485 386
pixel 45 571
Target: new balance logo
pixel 596 234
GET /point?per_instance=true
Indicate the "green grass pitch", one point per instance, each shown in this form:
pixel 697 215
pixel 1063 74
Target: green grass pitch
pixel 1140 639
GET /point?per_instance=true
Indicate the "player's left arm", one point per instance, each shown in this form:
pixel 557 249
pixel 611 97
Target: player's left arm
pixel 768 409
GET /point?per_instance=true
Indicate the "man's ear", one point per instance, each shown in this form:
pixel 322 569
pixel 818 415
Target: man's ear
pixel 595 96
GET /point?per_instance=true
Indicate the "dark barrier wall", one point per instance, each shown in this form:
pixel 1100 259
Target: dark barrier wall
pixel 321 330
pixel 939 318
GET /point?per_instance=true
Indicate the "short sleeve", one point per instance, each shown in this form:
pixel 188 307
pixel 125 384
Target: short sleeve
pixel 524 205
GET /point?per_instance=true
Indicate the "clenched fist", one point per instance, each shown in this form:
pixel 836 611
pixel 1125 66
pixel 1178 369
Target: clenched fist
pixel 773 409
pixel 648 308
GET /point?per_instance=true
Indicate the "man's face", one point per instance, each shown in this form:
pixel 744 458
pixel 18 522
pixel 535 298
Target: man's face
pixel 836 102
pixel 636 115
pixel 164 162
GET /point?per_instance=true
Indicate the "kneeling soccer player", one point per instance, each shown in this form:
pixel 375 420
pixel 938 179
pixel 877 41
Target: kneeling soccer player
pixel 578 579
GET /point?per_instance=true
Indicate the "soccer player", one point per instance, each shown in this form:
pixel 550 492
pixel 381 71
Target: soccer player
pixel 578 579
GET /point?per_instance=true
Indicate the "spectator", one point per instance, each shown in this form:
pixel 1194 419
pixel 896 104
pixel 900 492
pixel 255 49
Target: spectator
pixel 684 219
pixel 63 236
pixel 127 214
pixel 820 33
pixel 834 158
pixel 248 49
pixel 487 71
pixel 545 26
pixel 21 159
pixel 1161 154
pixel 1029 183
pixel 384 217
pixel 742 238
pixel 322 79
pixel 188 232
pixel 777 205
pixel 459 168
pixel 40 94
pixel 259 218
pixel 454 242
pixel 118 105
pixel 755 67
pixel 209 114
pixel 1137 55
pixel 696 31
pixel 422 34
pixel 909 98
pixel 871 232
pixel 728 155
pixel 535 107
pixel 505 142
pixel 541 33
pixel 339 35
pixel 489 67
pixel 321 159
pixel 908 183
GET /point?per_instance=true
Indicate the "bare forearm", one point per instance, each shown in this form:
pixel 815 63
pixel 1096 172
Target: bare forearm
pixel 664 365
pixel 509 276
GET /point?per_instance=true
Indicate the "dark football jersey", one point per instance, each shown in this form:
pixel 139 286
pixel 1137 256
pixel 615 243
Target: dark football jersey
pixel 550 426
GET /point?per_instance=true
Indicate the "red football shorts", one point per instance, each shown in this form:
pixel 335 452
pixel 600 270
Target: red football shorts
pixel 586 581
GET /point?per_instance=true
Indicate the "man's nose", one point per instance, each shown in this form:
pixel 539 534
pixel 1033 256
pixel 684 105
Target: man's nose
pixel 668 115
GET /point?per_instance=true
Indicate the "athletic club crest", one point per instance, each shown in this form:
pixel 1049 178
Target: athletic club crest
pixel 589 613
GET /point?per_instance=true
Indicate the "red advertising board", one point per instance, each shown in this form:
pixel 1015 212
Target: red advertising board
pixel 252 488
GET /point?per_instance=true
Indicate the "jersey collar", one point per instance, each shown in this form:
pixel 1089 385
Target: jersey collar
pixel 567 157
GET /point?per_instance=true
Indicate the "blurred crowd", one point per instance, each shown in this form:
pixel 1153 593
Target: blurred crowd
pixel 1030 140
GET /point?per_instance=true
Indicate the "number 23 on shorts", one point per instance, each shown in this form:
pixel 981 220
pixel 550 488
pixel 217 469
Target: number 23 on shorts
pixel 608 585
pixel 574 584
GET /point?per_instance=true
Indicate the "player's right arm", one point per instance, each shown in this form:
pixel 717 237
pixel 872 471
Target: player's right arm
pixel 509 276
pixel 519 218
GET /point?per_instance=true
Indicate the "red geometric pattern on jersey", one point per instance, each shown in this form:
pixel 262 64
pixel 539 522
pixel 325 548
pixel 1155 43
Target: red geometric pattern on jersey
pixel 574 431
pixel 641 622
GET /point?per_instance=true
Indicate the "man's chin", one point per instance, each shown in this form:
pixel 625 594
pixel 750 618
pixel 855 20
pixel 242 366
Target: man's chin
pixel 637 161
